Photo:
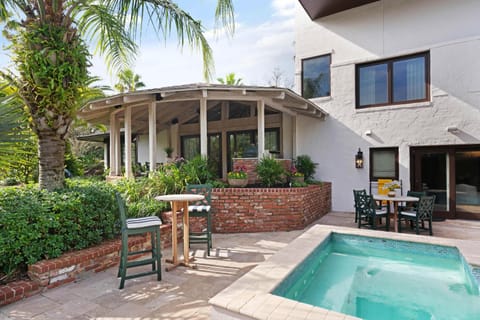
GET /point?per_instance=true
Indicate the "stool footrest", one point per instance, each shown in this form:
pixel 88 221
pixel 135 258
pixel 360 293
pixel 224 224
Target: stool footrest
pixel 136 275
pixel 131 264
pixel 132 253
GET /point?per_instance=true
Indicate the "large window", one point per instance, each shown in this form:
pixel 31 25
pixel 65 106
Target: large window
pixel 393 81
pixel 316 77
pixel 383 163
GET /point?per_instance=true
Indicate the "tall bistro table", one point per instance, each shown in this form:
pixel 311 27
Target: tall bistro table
pixel 179 202
pixel 395 200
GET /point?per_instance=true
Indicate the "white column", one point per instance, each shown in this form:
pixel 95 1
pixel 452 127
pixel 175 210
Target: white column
pixel 174 143
pixel 294 137
pixel 105 156
pixel 112 161
pixel 128 142
pixel 261 128
pixel 203 127
pixel 118 149
pixel 152 135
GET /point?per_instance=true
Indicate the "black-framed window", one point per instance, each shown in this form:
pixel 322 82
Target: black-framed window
pixel 316 77
pixel 237 110
pixel 393 81
pixel 383 163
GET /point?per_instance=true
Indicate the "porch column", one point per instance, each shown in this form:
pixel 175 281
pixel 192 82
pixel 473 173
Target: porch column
pixel 106 150
pixel 118 149
pixel 112 161
pixel 294 137
pixel 203 127
pixel 152 135
pixel 128 142
pixel 261 128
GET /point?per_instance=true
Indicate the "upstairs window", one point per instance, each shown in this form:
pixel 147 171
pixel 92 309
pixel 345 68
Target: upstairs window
pixel 393 81
pixel 383 163
pixel 316 77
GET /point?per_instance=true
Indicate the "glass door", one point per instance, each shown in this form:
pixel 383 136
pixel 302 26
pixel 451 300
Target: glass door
pixel 467 183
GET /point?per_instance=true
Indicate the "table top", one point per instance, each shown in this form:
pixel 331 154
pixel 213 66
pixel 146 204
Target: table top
pixel 180 197
pixel 396 198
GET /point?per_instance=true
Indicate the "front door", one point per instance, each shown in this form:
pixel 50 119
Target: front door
pixel 452 174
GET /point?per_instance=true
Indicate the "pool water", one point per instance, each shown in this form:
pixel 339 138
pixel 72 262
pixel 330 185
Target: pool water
pixel 374 278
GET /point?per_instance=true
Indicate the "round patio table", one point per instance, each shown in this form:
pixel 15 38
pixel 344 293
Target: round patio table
pixel 395 200
pixel 179 202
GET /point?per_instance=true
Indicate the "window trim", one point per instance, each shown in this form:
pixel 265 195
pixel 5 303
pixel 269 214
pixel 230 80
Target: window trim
pixel 389 62
pixel 371 152
pixel 329 78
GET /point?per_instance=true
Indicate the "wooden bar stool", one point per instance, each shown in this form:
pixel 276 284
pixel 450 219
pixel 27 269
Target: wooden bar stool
pixel 135 226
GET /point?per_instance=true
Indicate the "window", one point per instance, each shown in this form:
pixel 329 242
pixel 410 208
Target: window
pixel 316 77
pixel 393 81
pixel 238 110
pixel 383 163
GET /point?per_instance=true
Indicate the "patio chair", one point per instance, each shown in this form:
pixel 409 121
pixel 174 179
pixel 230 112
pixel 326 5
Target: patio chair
pixel 356 195
pixel 369 213
pixel 135 226
pixel 422 212
pixel 412 206
pixel 201 209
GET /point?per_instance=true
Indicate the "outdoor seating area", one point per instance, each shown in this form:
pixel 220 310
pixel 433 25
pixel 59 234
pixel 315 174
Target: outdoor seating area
pixel 183 293
pixel 414 209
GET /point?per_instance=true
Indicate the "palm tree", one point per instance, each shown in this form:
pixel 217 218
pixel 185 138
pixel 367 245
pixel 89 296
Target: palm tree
pixel 128 81
pixel 50 54
pixel 230 80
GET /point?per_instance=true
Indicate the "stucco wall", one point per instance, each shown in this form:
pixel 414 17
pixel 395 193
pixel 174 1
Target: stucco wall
pixel 450 30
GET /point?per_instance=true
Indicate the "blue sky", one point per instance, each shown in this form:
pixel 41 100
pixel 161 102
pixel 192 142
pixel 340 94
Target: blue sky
pixel 263 41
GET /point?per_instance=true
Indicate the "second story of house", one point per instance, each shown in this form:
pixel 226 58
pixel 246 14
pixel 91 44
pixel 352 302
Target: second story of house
pixel 381 59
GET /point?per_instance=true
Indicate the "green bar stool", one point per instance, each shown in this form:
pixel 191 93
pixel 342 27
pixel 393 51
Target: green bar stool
pixel 134 226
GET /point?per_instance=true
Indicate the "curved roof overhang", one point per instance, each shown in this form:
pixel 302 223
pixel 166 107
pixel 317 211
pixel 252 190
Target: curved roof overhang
pixel 176 101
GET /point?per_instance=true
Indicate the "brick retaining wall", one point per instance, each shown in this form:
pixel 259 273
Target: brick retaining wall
pixel 269 209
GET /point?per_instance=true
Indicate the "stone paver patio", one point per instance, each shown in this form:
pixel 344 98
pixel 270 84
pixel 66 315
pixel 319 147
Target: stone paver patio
pixel 183 293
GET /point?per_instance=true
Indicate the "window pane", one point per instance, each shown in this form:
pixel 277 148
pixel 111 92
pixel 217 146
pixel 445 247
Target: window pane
pixel 238 110
pixel 316 77
pixel 383 163
pixel 373 84
pixel 272 138
pixel 190 147
pixel 409 79
pixel 215 113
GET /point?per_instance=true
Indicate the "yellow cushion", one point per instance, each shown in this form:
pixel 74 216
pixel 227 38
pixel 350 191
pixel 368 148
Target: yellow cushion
pixel 381 184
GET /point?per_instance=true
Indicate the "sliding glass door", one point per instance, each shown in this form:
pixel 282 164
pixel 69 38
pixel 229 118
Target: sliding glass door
pixel 452 174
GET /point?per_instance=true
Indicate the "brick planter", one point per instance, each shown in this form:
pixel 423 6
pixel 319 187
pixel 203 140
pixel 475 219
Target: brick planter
pixel 269 209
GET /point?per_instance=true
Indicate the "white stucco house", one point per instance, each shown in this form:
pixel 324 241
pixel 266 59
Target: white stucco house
pixel 401 81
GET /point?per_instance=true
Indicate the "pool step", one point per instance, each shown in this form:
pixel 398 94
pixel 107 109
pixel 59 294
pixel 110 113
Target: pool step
pixel 476 274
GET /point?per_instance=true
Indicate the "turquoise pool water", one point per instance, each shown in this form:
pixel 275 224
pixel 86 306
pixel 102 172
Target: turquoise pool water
pixel 375 278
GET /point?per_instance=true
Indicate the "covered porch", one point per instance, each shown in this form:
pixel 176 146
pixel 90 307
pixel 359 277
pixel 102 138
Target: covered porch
pixel 221 122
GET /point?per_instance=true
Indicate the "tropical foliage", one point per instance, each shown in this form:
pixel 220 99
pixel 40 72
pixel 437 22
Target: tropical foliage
pixel 48 46
pixel 128 81
pixel 270 172
pixel 230 80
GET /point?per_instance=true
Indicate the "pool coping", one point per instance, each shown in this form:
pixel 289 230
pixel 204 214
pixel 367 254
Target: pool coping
pixel 250 296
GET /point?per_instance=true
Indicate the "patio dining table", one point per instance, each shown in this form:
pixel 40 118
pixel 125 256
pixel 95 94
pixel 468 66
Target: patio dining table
pixel 179 202
pixel 395 200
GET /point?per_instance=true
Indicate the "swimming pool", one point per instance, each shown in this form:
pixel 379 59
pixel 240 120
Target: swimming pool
pixel 376 278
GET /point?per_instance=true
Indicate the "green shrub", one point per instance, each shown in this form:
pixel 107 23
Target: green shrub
pixel 36 225
pixel 270 172
pixel 305 165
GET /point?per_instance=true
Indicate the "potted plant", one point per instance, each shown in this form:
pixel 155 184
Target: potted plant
pixel 296 176
pixel 168 150
pixel 305 165
pixel 392 188
pixel 238 177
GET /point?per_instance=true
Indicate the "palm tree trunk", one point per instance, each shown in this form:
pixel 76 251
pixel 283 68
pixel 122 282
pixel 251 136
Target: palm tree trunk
pixel 51 154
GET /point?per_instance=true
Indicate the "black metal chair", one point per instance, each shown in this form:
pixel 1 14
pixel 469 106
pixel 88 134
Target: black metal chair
pixel 135 226
pixel 422 212
pixel 356 194
pixel 369 213
pixel 201 209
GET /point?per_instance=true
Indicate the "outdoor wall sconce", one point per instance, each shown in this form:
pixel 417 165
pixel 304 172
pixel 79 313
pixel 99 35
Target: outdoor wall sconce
pixel 359 159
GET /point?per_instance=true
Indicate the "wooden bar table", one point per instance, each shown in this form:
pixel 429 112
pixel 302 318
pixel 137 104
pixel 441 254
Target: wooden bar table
pixel 179 202
pixel 395 200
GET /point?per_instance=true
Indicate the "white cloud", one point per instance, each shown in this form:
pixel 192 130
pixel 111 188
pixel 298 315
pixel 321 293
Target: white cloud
pixel 253 53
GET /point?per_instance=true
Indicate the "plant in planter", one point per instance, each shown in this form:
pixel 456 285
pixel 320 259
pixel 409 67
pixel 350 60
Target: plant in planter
pixel 168 150
pixel 305 165
pixel 270 172
pixel 238 177
pixel 295 175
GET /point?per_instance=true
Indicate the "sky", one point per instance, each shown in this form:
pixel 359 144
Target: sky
pixel 263 42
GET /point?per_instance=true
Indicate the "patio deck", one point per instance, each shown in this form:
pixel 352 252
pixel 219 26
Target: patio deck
pixel 183 293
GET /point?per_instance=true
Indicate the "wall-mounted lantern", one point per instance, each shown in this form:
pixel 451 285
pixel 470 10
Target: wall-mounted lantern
pixel 359 159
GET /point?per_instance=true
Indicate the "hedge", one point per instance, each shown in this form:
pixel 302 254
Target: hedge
pixel 36 225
